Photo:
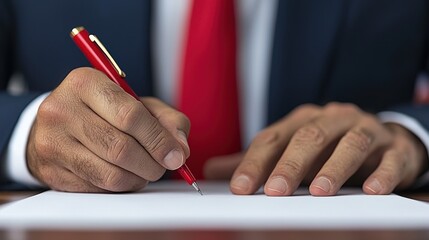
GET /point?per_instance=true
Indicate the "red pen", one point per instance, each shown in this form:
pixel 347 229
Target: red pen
pixel 101 60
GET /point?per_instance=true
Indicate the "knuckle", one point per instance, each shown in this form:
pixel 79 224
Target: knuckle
pixel 151 99
pixel 173 115
pixel 169 115
pixel 44 146
pixel 370 120
pixel 251 167
pixel 85 167
pixel 358 140
pixel 117 181
pixel 118 150
pixel 51 111
pixel 305 109
pixel 80 72
pixel 155 139
pixel 114 143
pixel 108 91
pixel 333 105
pixel 179 115
pixel 343 108
pixel 267 137
pixel 294 168
pixel 310 134
pixel 128 115
pixel 186 124
pixel 77 79
pixel 397 157
pixel 183 119
pixel 102 177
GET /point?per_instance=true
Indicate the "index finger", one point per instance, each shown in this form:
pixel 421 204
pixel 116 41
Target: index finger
pixel 306 145
pixel 266 149
pixel 127 114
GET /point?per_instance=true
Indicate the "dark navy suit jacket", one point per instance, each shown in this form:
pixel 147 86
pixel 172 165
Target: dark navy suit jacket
pixel 361 51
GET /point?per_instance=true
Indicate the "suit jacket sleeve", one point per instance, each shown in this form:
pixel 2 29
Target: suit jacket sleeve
pixel 419 112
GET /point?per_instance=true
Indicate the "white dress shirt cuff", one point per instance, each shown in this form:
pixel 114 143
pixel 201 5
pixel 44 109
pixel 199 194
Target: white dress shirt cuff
pixel 16 162
pixel 413 126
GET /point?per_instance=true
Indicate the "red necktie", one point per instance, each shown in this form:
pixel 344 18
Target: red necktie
pixel 208 89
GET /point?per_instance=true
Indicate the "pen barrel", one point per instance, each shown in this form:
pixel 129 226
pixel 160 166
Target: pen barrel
pixel 99 61
pixel 186 174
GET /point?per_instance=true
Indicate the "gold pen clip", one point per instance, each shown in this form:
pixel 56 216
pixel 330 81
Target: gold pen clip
pixel 95 40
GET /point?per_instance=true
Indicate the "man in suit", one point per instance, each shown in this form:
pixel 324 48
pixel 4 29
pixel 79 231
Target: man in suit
pixel 355 61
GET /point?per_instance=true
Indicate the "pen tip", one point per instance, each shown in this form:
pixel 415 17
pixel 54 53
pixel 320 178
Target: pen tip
pixel 195 185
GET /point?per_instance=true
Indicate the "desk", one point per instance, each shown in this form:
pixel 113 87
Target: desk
pixel 6 197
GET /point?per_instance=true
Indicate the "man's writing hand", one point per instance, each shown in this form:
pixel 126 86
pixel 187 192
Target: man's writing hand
pixel 91 136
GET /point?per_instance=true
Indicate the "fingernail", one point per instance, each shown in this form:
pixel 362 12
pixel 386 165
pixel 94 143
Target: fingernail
pixel 278 185
pixel 174 159
pixel 183 138
pixel 241 183
pixel 323 183
pixel 374 186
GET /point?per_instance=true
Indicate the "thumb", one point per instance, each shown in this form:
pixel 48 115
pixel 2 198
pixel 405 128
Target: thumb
pixel 222 167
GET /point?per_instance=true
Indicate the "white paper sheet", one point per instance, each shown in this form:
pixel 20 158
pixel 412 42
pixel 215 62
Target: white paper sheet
pixel 168 205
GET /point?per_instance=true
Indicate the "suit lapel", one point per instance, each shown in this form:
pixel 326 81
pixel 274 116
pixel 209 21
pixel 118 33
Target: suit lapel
pixel 304 38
